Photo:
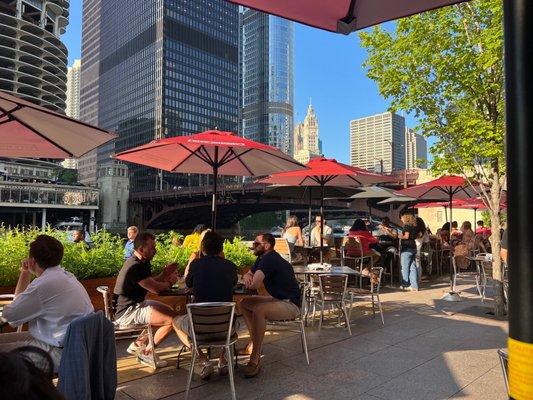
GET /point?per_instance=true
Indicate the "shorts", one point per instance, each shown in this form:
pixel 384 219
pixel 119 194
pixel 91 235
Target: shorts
pixel 138 314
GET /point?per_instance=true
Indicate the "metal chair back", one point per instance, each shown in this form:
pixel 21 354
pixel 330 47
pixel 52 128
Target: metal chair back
pixel 375 283
pixel 333 287
pixel 211 322
pixel 108 302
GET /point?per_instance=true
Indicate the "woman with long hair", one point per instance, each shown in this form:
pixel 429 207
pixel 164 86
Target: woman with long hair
pixel 408 252
pixel 292 232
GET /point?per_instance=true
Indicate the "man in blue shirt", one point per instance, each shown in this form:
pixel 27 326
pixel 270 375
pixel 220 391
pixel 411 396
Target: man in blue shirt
pixel 128 247
pixel 282 303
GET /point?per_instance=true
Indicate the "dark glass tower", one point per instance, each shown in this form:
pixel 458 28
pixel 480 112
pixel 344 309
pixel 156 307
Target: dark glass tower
pixel 166 68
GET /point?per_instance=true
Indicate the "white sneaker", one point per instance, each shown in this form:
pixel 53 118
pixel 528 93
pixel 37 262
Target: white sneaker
pixel 146 359
pixel 135 349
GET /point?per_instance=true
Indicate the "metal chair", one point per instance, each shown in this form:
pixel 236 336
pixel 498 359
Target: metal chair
pixel 9 297
pixel 283 249
pixel 353 245
pixel 477 275
pixel 211 327
pixel 299 320
pixel 373 292
pixel 504 360
pixel 129 331
pixel 426 255
pixel 333 291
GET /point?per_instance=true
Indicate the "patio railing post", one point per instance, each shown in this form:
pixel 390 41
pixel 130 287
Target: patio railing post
pixel 518 15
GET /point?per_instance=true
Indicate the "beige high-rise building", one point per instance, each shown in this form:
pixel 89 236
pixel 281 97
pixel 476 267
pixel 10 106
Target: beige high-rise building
pixel 377 142
pixel 73 102
pixel 305 141
pixel 417 151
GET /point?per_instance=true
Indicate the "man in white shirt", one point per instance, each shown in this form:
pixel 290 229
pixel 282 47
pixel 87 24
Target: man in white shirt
pixel 315 234
pixel 48 303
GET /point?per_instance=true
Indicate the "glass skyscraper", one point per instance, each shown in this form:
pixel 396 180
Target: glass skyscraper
pixel 267 78
pixel 166 68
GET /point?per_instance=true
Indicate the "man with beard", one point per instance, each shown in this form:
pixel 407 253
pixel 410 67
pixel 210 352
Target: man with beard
pixel 282 303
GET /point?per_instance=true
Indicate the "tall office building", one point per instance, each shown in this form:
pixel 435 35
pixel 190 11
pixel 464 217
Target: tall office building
pixel 417 151
pixel 306 142
pixel 267 79
pixel 33 60
pixel 73 102
pixel 377 142
pixel 171 69
pixel 73 90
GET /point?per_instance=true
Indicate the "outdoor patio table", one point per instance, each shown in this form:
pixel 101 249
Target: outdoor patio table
pixel 308 272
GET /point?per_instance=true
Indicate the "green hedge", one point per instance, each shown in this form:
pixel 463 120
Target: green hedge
pixel 105 258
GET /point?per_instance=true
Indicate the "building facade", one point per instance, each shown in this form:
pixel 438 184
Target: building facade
pixel 33 60
pixel 73 102
pixel 267 44
pixel 306 143
pixel 417 151
pixel 171 69
pixel 377 142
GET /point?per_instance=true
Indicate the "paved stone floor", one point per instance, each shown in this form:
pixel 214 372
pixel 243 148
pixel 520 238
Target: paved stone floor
pixel 427 349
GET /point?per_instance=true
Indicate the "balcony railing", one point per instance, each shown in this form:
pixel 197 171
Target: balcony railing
pixel 48 194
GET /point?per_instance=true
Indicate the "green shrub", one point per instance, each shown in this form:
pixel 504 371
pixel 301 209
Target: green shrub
pixel 106 257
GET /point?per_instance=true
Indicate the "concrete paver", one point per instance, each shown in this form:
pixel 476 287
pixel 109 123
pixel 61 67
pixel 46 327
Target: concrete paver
pixel 427 349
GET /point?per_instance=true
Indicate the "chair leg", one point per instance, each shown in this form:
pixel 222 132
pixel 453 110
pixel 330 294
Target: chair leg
pixel 179 356
pixel 380 310
pixel 191 371
pixel 373 308
pixel 346 319
pixel 314 312
pixel 304 341
pixel 229 356
pixel 321 317
pixel 351 306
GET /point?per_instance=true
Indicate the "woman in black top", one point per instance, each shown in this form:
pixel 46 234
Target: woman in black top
pixel 408 252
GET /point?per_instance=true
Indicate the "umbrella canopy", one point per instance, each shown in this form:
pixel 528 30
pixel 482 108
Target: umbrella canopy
pixel 343 16
pixel 309 192
pixel 444 188
pixel 211 152
pixel 29 130
pixel 324 172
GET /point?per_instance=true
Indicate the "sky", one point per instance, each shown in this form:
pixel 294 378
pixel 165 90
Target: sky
pixel 327 71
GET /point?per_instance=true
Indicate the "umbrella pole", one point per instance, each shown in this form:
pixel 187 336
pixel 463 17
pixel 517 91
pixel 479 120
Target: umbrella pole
pixel 451 252
pixel 475 219
pixel 322 226
pixel 309 220
pixel 215 182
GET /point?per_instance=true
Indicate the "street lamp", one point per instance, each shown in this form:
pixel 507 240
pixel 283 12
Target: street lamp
pixel 392 144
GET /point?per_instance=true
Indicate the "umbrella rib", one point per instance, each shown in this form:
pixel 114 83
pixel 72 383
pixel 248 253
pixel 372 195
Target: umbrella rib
pixel 242 162
pixel 41 135
pixel 8 113
pixel 225 157
pixel 208 159
pixel 192 153
pixel 53 114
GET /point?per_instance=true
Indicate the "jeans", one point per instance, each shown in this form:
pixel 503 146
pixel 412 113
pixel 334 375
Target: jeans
pixel 409 270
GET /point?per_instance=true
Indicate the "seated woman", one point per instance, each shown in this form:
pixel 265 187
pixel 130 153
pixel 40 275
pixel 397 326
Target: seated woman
pixel 193 240
pixel 464 246
pixel 293 233
pixel 444 234
pixel 361 233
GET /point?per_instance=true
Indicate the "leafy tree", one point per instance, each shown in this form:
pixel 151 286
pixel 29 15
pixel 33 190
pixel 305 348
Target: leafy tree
pixel 446 67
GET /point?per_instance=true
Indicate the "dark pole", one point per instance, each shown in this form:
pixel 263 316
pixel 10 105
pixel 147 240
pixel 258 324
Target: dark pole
pixel 475 219
pixel 518 15
pixel 322 223
pixel 450 240
pixel 214 204
pixel 310 206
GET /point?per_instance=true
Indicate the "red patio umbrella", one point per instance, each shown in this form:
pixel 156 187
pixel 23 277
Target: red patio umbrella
pixel 343 16
pixel 29 130
pixel 324 172
pixel 211 152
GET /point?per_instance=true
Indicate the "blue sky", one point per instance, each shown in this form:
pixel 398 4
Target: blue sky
pixel 328 70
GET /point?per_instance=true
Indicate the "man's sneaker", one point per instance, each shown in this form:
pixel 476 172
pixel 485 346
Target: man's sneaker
pixel 134 348
pixel 204 370
pixel 147 359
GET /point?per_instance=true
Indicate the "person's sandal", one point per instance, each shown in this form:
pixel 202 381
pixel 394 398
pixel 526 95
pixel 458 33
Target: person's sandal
pixel 252 369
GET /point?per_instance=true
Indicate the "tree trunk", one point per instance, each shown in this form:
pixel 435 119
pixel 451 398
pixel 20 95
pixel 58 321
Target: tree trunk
pixel 495 239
